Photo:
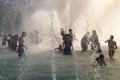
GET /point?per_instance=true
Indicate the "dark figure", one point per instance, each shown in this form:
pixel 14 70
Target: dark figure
pixel 67 44
pixel 111 46
pixel 62 33
pixel 60 48
pixel 15 40
pixel 4 41
pixel 100 60
pixel 72 37
pixel 85 42
pixel 21 45
pixel 98 48
pixel 10 41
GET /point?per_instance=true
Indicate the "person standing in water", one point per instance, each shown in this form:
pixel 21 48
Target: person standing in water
pixel 67 44
pixel 15 40
pixel 85 42
pixel 21 45
pixel 62 32
pixel 4 40
pixel 72 37
pixel 94 39
pixel 111 46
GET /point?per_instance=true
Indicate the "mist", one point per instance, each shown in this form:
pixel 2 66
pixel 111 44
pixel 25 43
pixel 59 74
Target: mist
pixel 48 16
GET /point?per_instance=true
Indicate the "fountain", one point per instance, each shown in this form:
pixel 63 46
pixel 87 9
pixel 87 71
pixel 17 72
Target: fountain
pixel 52 39
pixel 47 17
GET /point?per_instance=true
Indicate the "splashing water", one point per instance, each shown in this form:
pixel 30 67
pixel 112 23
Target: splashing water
pixel 48 16
pixel 80 15
pixel 52 36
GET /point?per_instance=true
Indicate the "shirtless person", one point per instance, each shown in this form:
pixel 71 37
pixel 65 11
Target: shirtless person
pixel 112 46
pixel 21 46
pixel 72 37
pixel 62 32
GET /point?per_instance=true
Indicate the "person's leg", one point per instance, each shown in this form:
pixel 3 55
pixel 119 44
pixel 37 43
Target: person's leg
pixel 19 55
pixel 64 52
pixel 20 52
pixel 112 53
pixel 109 52
pixel 85 48
pixel 92 47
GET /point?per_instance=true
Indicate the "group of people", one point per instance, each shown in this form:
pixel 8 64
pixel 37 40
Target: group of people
pixel 95 44
pixel 67 46
pixel 15 43
pixel 67 42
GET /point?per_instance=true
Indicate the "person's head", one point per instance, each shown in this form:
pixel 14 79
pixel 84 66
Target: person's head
pixel 88 34
pixel 5 36
pixel 17 37
pixel 94 32
pixel 101 56
pixel 62 29
pixel 70 30
pixel 23 34
pixel 60 46
pixel 10 35
pixel 111 37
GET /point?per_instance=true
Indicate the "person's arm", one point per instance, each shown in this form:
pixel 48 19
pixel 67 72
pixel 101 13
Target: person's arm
pixel 74 37
pixel 106 41
pixel 56 48
pixel 63 44
pixel 90 39
pixel 115 46
pixel 104 62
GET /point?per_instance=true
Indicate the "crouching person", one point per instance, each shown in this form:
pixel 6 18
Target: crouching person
pixel 60 48
pixel 99 61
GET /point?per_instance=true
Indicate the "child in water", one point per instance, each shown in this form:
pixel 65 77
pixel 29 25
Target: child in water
pixel 21 46
pixel 60 48
pixel 4 41
pixel 99 61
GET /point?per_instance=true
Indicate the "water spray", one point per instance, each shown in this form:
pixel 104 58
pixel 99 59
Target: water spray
pixel 52 38
pixel 76 66
pixel 97 68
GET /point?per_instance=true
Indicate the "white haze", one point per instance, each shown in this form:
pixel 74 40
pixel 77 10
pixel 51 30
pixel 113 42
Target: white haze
pixel 80 15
